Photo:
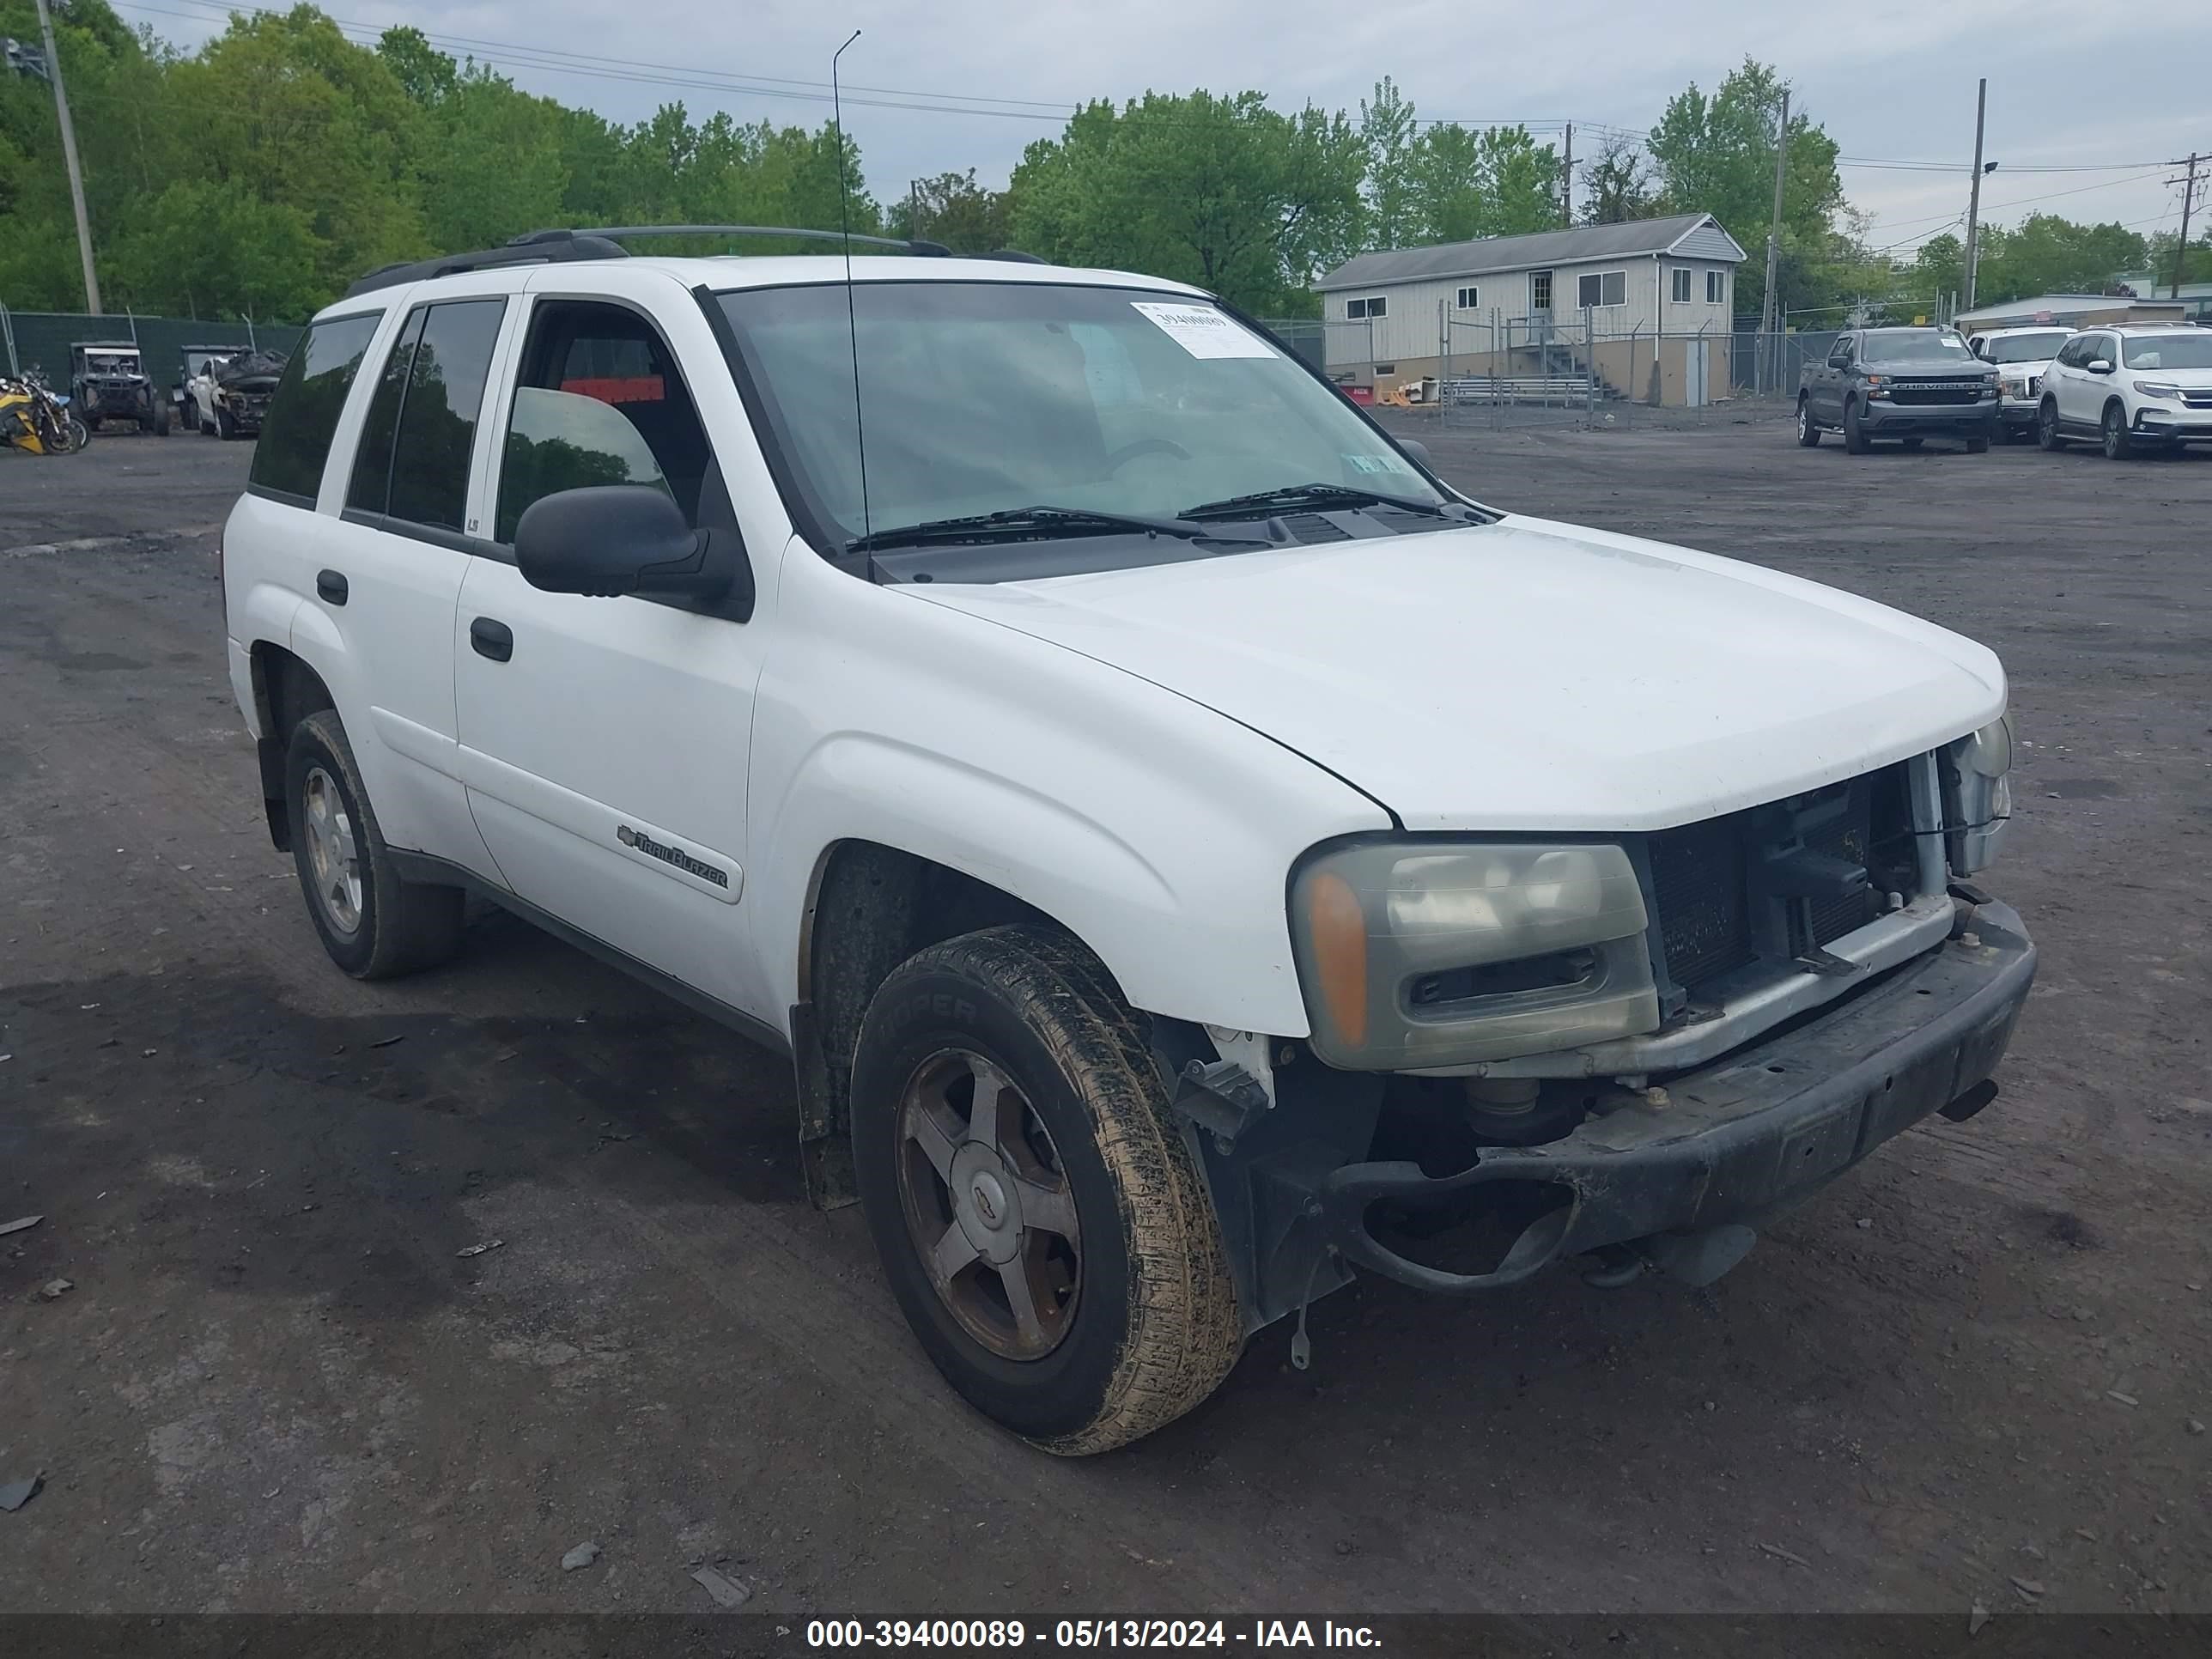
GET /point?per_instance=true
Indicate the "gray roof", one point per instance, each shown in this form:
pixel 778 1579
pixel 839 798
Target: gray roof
pixel 1545 248
pixel 2060 305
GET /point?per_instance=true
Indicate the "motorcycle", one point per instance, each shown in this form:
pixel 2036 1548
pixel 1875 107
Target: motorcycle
pixel 34 419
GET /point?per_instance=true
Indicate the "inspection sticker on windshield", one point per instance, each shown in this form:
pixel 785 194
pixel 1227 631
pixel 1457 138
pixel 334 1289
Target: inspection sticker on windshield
pixel 1203 331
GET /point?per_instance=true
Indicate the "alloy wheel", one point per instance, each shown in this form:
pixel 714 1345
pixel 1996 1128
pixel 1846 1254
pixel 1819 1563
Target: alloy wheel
pixel 988 1205
pixel 331 851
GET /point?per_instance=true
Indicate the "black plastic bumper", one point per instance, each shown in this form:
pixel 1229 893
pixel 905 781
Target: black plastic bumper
pixel 1888 420
pixel 1750 1135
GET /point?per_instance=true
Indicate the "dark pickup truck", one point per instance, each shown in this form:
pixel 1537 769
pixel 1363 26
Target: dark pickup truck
pixel 1908 383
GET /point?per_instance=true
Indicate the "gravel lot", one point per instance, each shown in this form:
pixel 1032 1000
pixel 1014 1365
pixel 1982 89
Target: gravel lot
pixel 1977 1369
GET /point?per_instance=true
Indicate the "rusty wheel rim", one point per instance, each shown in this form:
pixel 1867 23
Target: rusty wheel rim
pixel 989 1207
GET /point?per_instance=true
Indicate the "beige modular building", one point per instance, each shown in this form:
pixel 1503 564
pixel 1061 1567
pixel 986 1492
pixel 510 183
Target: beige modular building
pixel 1648 305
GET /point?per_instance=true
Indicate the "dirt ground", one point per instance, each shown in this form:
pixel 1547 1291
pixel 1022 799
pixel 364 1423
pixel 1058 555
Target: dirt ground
pixel 1977 1369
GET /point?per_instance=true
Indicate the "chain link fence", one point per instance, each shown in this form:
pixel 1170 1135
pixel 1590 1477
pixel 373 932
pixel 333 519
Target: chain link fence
pixel 1496 370
pixel 42 339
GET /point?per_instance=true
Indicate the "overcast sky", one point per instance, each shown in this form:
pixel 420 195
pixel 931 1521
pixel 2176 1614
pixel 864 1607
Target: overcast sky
pixel 1890 80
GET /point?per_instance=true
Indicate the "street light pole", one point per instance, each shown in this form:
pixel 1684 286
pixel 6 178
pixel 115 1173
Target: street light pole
pixel 1974 197
pixel 1771 314
pixel 69 160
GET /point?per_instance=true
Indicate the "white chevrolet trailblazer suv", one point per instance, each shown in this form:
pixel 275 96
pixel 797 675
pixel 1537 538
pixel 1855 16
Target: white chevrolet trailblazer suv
pixel 2130 389
pixel 1189 852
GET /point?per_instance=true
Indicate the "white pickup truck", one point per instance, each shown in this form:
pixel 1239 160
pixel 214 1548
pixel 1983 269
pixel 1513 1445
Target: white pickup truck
pixel 1190 852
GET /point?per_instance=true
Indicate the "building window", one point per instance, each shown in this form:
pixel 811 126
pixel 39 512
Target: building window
pixel 1540 290
pixel 1716 288
pixel 1678 289
pixel 1386 368
pixel 1601 287
pixel 1470 299
pixel 1360 310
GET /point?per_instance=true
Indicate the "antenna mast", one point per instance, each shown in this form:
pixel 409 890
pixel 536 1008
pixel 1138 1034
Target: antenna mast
pixel 852 325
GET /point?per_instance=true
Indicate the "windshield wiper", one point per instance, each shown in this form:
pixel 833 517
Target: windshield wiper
pixel 1314 495
pixel 1024 524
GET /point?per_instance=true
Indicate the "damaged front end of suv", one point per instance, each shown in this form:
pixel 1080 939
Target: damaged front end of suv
pixel 1629 1049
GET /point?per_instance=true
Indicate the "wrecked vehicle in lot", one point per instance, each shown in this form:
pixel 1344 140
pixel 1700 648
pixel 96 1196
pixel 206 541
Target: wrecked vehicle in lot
pixel 229 397
pixel 191 362
pixel 1190 852
pixel 108 382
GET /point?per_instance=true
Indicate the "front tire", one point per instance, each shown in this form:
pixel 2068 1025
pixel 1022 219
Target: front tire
pixel 374 924
pixel 2046 425
pixel 225 427
pixel 1978 446
pixel 2119 446
pixel 1808 434
pixel 1855 438
pixel 1039 1216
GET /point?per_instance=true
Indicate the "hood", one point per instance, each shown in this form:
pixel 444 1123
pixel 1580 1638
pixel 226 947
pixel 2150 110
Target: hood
pixel 1933 369
pixel 1526 675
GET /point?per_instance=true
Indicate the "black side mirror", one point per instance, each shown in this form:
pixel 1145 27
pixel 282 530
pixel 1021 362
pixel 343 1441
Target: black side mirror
pixel 1419 451
pixel 1839 360
pixel 606 540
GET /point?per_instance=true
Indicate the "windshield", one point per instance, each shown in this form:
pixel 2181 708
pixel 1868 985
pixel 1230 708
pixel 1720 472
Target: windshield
pixel 2190 351
pixel 980 397
pixel 1905 346
pixel 2025 347
pixel 110 362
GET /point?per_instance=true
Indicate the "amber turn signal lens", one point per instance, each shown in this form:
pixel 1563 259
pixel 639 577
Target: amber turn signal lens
pixel 1339 925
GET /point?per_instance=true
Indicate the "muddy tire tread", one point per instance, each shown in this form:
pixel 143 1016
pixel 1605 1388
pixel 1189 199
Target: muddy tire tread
pixel 1185 1332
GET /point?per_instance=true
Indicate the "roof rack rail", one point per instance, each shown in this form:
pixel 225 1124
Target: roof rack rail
pixel 552 247
pixel 1015 255
pixel 566 244
pixel 927 250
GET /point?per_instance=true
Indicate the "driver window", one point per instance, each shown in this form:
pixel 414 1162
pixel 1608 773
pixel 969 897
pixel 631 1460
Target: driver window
pixel 598 401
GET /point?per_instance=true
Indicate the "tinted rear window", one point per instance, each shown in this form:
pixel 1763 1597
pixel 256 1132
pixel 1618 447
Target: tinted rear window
pixel 438 423
pixel 296 438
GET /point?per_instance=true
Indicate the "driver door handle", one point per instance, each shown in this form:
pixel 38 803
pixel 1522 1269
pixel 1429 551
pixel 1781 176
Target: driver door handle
pixel 492 639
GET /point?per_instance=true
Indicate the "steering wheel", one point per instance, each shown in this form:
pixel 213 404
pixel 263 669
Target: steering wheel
pixel 1128 452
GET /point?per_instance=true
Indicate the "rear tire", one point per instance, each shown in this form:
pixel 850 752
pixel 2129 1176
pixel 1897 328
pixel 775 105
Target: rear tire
pixel 1110 1242
pixel 2119 445
pixel 374 924
pixel 1808 434
pixel 1855 438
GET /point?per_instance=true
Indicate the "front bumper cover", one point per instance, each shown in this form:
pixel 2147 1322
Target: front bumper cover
pixel 1748 1135
pixel 1878 415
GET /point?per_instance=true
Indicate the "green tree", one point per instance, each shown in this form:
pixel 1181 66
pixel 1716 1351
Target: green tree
pixel 1389 132
pixel 1715 154
pixel 212 248
pixel 1467 182
pixel 953 210
pixel 1619 182
pixel 1222 192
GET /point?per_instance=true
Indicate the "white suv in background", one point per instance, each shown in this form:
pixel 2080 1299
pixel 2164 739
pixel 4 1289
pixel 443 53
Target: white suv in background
pixel 2020 356
pixel 1175 836
pixel 2130 389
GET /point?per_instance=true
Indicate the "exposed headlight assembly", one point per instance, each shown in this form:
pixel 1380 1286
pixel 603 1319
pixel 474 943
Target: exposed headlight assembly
pixel 1415 955
pixel 1978 796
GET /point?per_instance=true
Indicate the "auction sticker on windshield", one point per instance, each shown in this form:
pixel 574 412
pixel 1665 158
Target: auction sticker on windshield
pixel 1203 331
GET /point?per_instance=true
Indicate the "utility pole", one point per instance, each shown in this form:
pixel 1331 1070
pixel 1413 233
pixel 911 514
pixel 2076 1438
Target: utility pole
pixel 1974 196
pixel 2188 183
pixel 1567 182
pixel 69 160
pixel 1769 308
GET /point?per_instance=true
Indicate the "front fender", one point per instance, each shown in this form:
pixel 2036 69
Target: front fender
pixel 1159 832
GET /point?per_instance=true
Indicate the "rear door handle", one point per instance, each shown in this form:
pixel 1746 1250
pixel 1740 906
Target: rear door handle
pixel 331 585
pixel 492 639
